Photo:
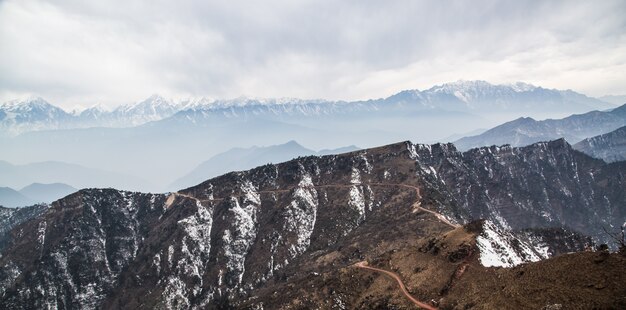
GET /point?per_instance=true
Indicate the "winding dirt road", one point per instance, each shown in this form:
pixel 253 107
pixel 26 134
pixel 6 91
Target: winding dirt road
pixel 400 284
pixel 416 207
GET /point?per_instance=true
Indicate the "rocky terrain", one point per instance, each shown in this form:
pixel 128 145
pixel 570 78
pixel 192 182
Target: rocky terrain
pixel 10 218
pixel 290 235
pixel 610 147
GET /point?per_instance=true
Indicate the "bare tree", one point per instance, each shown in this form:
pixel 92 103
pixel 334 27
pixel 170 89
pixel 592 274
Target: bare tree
pixel 618 237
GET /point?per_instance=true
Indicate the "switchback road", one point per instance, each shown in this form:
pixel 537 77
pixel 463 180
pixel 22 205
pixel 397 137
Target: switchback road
pixel 400 284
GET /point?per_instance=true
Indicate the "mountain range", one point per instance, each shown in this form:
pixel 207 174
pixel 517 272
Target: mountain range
pixel 178 136
pixel 75 176
pixel 299 235
pixel 526 130
pixel 478 97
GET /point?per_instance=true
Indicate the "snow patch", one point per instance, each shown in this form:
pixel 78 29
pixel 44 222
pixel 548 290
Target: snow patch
pixel 500 248
pixel 300 215
pixel 357 201
pixel 355 176
pixel 238 240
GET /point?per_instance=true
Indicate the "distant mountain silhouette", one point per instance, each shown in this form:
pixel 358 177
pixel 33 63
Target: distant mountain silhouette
pixel 47 193
pixel 50 172
pixel 610 146
pixel 525 131
pixel 237 159
pixel 11 198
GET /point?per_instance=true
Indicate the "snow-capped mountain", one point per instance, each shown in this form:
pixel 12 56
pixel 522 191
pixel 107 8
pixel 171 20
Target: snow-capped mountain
pixel 31 114
pixel 473 97
pixel 93 113
pixel 477 97
pixel 485 97
pixel 153 108
pixel 35 114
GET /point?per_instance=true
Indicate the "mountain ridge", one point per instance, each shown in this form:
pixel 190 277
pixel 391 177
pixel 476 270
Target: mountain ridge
pixel 280 226
pixel 526 130
pixel 19 176
pixel 237 159
pixel 466 96
pixel 610 146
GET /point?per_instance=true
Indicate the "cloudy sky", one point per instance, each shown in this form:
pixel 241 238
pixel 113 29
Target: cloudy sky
pixel 113 52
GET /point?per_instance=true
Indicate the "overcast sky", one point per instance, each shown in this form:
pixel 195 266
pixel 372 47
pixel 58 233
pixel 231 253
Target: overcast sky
pixel 115 52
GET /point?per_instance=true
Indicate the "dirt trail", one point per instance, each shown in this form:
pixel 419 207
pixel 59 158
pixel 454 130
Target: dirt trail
pixel 172 197
pixel 416 206
pixel 400 284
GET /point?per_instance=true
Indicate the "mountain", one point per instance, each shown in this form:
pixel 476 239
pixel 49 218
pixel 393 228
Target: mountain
pixel 11 217
pixel 33 113
pixel 34 193
pixel 610 147
pixel 614 99
pixel 11 198
pixel 525 130
pixel 203 128
pixel 18 176
pixel 153 108
pixel 518 97
pixel 472 97
pixel 237 159
pixel 36 114
pixel 341 150
pixel 301 234
pixel 47 193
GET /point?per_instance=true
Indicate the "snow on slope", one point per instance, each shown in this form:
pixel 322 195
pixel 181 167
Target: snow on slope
pixel 500 248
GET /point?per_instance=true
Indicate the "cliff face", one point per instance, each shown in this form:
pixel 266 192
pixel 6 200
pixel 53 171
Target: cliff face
pixel 543 185
pixel 231 237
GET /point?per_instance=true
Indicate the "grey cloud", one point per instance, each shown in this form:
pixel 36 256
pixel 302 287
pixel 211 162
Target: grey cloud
pixel 120 51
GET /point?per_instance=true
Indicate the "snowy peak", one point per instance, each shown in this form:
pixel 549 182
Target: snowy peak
pixel 522 87
pixel 153 105
pixel 30 114
pixel 153 108
pixel 31 105
pixel 485 97
pixel 471 91
pixel 469 97
pixel 479 86
pixel 94 111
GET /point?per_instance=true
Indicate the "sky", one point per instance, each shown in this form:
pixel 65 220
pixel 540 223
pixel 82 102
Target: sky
pixel 77 52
